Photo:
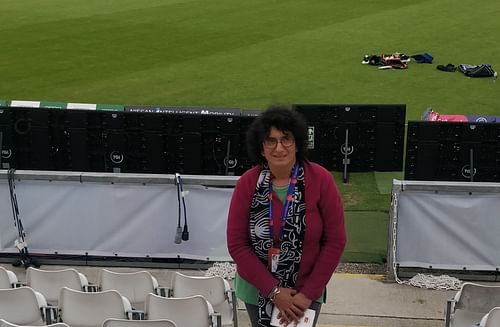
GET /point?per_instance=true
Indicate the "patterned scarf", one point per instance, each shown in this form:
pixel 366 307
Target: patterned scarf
pixel 292 239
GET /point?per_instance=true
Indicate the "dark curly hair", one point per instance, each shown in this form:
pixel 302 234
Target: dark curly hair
pixel 283 119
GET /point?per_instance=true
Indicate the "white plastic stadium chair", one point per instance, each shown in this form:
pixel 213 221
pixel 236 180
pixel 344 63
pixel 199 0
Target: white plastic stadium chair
pixel 84 309
pixel 216 290
pixel 50 282
pixel 22 306
pixel 133 285
pixel 491 319
pixel 470 304
pixel 192 311
pixel 8 279
pixel 138 323
pixel 4 323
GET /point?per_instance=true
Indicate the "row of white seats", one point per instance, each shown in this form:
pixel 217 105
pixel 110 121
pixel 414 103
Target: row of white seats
pixel 135 287
pixel 474 305
pixel 111 322
pixel 5 323
pixel 23 306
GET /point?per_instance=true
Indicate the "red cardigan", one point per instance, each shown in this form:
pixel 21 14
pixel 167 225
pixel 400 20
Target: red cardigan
pixel 324 239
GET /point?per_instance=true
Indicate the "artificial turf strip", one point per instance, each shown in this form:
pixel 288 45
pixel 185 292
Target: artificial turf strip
pixel 367 236
pixel 383 180
pixel 366 215
pixel 247 54
pixel 361 193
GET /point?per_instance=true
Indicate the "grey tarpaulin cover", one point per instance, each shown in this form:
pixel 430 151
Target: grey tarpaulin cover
pixel 123 219
pixel 447 225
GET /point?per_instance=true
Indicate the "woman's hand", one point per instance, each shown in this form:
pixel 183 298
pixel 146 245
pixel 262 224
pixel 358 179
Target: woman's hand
pixel 302 301
pixel 289 310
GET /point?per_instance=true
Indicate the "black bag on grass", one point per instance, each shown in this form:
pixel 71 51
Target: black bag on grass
pixel 483 70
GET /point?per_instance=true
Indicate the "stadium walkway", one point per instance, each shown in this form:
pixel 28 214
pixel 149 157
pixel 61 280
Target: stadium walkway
pixel 368 300
pixel 353 299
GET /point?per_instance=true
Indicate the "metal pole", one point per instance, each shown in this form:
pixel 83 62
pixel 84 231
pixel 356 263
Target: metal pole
pixel 471 158
pixel 346 151
pixel 1 147
pixel 228 151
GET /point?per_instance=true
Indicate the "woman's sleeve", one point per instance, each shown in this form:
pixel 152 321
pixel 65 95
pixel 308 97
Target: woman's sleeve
pixel 333 239
pixel 249 267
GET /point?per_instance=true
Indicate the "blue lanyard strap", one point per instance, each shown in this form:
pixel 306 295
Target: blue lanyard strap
pixel 286 205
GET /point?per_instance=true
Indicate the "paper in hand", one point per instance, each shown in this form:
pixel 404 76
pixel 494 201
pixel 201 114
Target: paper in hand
pixel 306 321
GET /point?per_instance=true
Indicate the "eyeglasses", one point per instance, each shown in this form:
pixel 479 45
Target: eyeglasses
pixel 271 142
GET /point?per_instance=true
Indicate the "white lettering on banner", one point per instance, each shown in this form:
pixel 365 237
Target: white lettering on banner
pixel 217 113
pixel 116 157
pixel 6 153
pixel 466 171
pixel 187 111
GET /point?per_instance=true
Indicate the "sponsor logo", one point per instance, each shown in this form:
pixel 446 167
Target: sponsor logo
pixel 6 153
pixel 233 112
pixel 116 157
pixel 349 150
pixel 310 137
pixel 230 163
pixel 215 112
pixel 466 172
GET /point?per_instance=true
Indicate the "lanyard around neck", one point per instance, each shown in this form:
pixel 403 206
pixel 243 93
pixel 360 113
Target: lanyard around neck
pixel 286 205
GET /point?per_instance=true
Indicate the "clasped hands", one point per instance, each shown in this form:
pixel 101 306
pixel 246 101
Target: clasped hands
pixel 291 305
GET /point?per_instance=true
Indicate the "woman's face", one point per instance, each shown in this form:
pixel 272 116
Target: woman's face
pixel 279 149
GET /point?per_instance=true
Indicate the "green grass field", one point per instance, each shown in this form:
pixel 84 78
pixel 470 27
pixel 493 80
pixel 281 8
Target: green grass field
pixel 250 54
pixel 247 54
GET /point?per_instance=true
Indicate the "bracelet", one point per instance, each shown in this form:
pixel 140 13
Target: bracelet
pixel 275 291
